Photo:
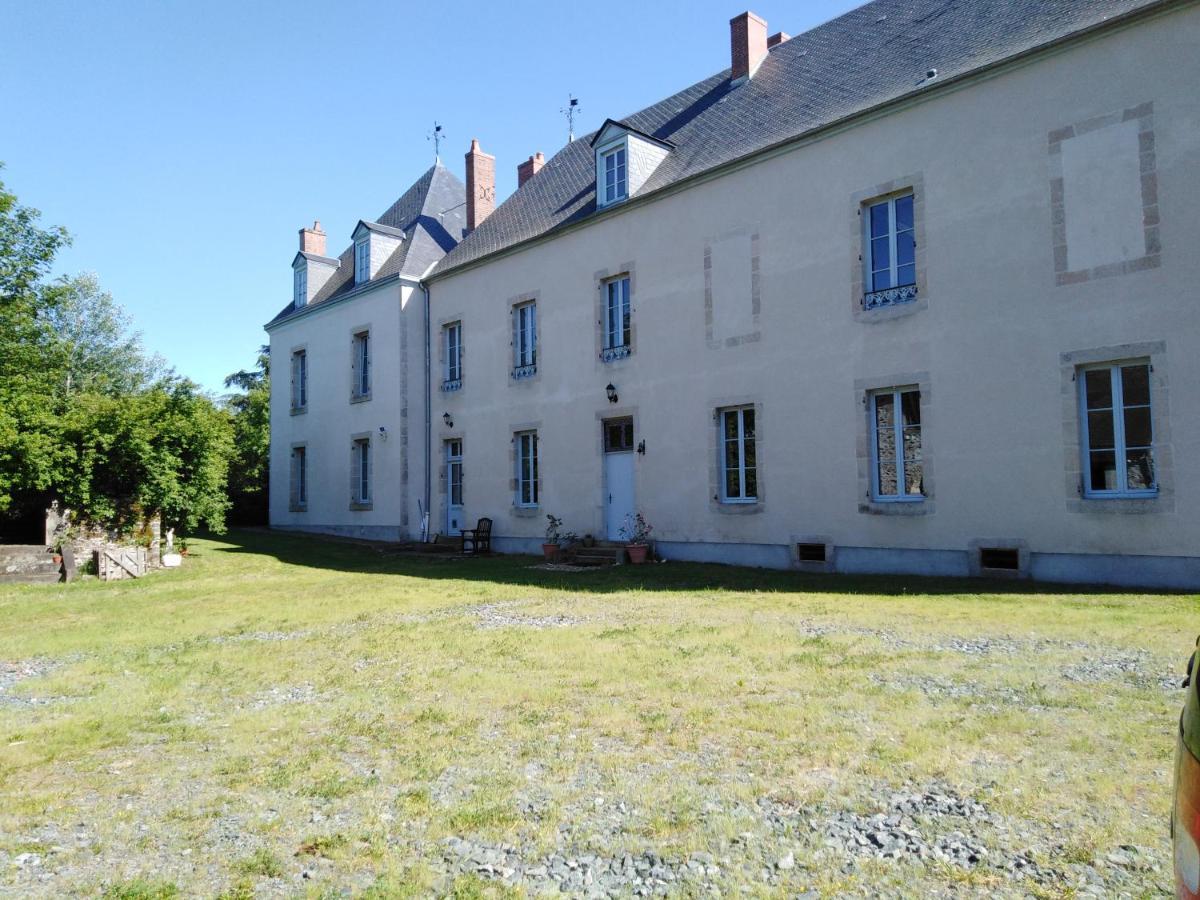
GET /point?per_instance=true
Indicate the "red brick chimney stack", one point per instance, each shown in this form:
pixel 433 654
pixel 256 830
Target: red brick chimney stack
pixel 778 38
pixel 312 240
pixel 529 168
pixel 481 185
pixel 747 44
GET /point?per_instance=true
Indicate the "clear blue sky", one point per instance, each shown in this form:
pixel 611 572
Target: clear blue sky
pixel 183 144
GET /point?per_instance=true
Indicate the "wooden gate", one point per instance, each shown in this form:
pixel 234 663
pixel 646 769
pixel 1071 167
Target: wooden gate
pixel 121 562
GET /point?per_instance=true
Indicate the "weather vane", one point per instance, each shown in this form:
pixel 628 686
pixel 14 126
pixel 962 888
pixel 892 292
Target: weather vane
pixel 436 136
pixel 571 110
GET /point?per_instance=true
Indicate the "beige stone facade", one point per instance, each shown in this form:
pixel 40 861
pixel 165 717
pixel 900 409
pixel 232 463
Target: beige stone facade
pixel 1055 214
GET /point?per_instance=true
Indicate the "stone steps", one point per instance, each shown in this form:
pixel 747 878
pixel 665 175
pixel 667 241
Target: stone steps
pixel 599 555
pixel 28 564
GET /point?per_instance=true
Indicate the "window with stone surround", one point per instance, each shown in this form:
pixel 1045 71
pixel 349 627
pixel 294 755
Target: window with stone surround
pixel 897 472
pixel 527 469
pixel 360 473
pixel 360 366
pixel 298 488
pixel 889 251
pixel 617 326
pixel 452 347
pixel 299 380
pixel 1117 430
pixel 524 317
pixel 739 455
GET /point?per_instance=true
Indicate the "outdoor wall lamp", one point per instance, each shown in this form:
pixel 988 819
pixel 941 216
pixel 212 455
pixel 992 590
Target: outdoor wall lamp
pixel 382 433
pixel 449 421
pixel 612 393
pixel 641 448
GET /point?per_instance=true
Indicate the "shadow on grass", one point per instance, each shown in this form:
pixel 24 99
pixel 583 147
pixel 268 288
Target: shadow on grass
pixel 316 551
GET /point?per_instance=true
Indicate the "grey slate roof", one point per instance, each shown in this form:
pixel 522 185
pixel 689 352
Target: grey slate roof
pixel 874 54
pixel 431 215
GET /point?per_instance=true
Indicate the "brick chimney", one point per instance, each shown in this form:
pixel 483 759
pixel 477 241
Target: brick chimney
pixel 481 185
pixel 529 168
pixel 747 44
pixel 312 240
pixel 778 38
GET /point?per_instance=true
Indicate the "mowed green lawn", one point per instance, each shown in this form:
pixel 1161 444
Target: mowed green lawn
pixel 288 716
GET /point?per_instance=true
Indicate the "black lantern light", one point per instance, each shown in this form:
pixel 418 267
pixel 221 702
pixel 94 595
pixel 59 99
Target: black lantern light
pixel 449 421
pixel 612 393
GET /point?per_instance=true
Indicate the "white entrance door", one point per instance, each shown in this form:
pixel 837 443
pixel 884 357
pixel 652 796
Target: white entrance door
pixel 618 475
pixel 454 487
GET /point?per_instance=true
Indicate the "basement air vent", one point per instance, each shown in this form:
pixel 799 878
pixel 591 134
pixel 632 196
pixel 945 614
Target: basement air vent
pixel 813 553
pixel 1006 559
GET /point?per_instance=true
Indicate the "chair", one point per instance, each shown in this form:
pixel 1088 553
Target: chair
pixel 479 538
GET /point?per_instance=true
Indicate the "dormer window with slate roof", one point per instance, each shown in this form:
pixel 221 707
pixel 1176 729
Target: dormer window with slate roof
pixel 374 245
pixel 625 160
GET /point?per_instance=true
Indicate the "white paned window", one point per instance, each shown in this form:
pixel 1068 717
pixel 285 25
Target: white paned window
pixel 890 255
pixel 362 260
pixel 615 181
pixel 527 468
pixel 896 467
pixel 361 365
pixel 524 340
pixel 360 472
pixel 300 282
pixel 299 379
pixel 739 455
pixel 452 342
pixel 1118 434
pixel 299 477
pixel 617 320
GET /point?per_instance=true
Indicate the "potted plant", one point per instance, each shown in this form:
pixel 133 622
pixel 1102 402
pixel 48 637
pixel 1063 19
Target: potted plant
pixel 636 532
pixel 550 547
pixel 589 541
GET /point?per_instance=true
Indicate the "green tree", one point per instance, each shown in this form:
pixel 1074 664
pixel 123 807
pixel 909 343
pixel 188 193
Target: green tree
pixel 251 411
pixel 164 449
pixel 28 453
pixel 85 414
pixel 89 345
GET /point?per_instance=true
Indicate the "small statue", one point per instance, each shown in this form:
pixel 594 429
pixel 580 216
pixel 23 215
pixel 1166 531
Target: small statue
pixel 170 540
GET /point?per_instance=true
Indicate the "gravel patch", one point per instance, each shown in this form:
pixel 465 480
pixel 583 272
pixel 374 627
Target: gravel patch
pixel 282 696
pixel 1098 664
pixel 259 637
pixel 939 688
pixel 496 615
pixel 13 673
pixel 931 825
pixel 1133 669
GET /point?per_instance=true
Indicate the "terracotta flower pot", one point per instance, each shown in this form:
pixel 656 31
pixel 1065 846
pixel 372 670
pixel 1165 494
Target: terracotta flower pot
pixel 57 559
pixel 637 553
pixel 550 551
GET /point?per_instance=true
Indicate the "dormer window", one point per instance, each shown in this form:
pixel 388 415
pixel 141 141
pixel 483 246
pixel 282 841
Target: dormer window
pixel 300 284
pixel 625 160
pixel 362 259
pixel 616 185
pixel 374 245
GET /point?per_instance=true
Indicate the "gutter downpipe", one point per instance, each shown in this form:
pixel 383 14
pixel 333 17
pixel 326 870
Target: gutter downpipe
pixel 428 417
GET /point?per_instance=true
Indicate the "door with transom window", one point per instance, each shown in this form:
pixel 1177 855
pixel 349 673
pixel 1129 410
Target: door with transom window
pixel 454 486
pixel 618 475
